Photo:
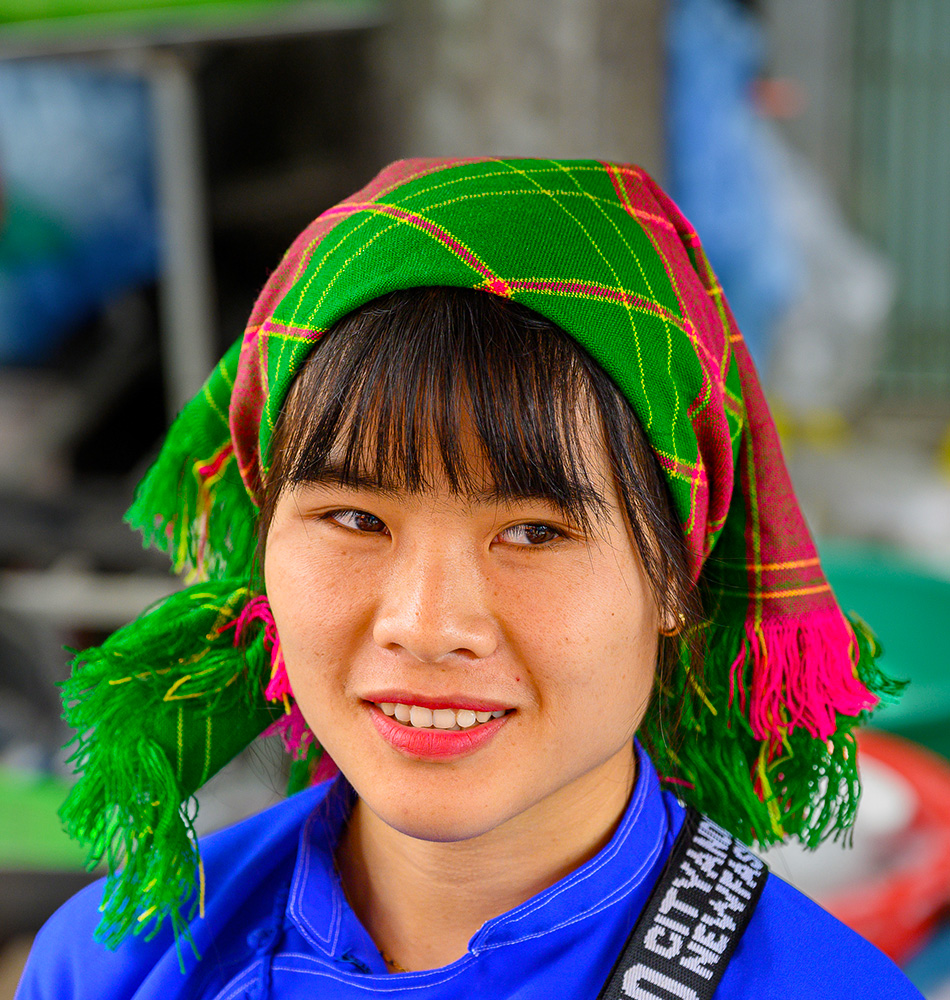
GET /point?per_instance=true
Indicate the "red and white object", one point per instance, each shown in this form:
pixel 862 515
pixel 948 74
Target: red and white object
pixel 892 886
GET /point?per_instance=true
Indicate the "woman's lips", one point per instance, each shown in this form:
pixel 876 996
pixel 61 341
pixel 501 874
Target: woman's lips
pixel 434 744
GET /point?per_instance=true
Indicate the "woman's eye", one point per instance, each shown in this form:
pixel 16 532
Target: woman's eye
pixel 358 520
pixel 530 534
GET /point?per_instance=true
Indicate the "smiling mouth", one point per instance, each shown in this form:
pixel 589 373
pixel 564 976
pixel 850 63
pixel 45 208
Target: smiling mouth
pixel 447 719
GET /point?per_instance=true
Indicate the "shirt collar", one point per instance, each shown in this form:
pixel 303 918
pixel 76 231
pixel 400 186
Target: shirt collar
pixel 318 907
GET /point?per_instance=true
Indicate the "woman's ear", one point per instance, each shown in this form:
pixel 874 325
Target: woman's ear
pixel 672 622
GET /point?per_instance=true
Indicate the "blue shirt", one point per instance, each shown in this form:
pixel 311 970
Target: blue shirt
pixel 277 925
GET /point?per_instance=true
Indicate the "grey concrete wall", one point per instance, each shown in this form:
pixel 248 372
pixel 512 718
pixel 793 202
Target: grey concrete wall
pixel 570 78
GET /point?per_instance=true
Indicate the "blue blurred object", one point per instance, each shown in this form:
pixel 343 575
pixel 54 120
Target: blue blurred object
pixel 79 213
pixel 720 162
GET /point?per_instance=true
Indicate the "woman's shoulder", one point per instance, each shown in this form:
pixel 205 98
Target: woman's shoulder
pixel 793 943
pixel 242 865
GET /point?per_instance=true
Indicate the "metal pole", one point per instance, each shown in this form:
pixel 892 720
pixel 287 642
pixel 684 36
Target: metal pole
pixel 187 323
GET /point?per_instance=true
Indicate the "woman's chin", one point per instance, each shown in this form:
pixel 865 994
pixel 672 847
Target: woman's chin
pixel 424 819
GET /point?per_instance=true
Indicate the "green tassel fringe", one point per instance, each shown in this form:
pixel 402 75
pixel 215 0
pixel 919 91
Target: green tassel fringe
pixel 716 764
pixel 192 502
pixel 162 705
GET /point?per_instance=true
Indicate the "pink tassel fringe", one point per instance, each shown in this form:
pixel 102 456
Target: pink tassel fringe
pixel 785 693
pixel 291 727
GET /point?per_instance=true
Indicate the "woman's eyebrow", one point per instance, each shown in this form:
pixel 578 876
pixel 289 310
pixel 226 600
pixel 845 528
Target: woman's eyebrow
pixel 364 482
pixel 494 494
pixel 338 474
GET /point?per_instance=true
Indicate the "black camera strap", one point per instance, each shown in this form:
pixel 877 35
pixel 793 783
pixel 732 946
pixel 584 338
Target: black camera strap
pixel 693 920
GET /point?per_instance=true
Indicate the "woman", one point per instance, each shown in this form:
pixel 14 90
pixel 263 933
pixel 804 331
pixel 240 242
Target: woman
pixel 488 487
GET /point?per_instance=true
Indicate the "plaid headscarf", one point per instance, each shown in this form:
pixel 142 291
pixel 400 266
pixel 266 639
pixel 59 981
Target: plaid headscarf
pixel 764 745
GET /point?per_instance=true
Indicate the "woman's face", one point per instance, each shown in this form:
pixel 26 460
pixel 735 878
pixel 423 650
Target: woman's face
pixel 456 607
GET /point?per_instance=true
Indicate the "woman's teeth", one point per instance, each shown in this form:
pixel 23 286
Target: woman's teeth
pixel 438 718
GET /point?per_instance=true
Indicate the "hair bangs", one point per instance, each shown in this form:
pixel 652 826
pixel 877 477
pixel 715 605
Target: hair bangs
pixel 397 393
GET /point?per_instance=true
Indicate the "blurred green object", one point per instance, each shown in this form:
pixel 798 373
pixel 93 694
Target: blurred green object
pixel 40 867
pixel 59 23
pixel 907 605
pixel 28 231
pixel 40 10
pixel 31 835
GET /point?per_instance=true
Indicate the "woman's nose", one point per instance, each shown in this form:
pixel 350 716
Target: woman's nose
pixel 434 605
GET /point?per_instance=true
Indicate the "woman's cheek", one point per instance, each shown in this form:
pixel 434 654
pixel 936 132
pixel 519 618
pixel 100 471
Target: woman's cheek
pixel 309 574
pixel 301 594
pixel 590 643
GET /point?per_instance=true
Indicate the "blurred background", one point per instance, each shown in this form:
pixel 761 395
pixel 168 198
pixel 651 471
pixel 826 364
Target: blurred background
pixel 157 157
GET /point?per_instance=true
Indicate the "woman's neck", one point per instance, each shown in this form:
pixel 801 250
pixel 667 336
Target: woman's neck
pixel 421 901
